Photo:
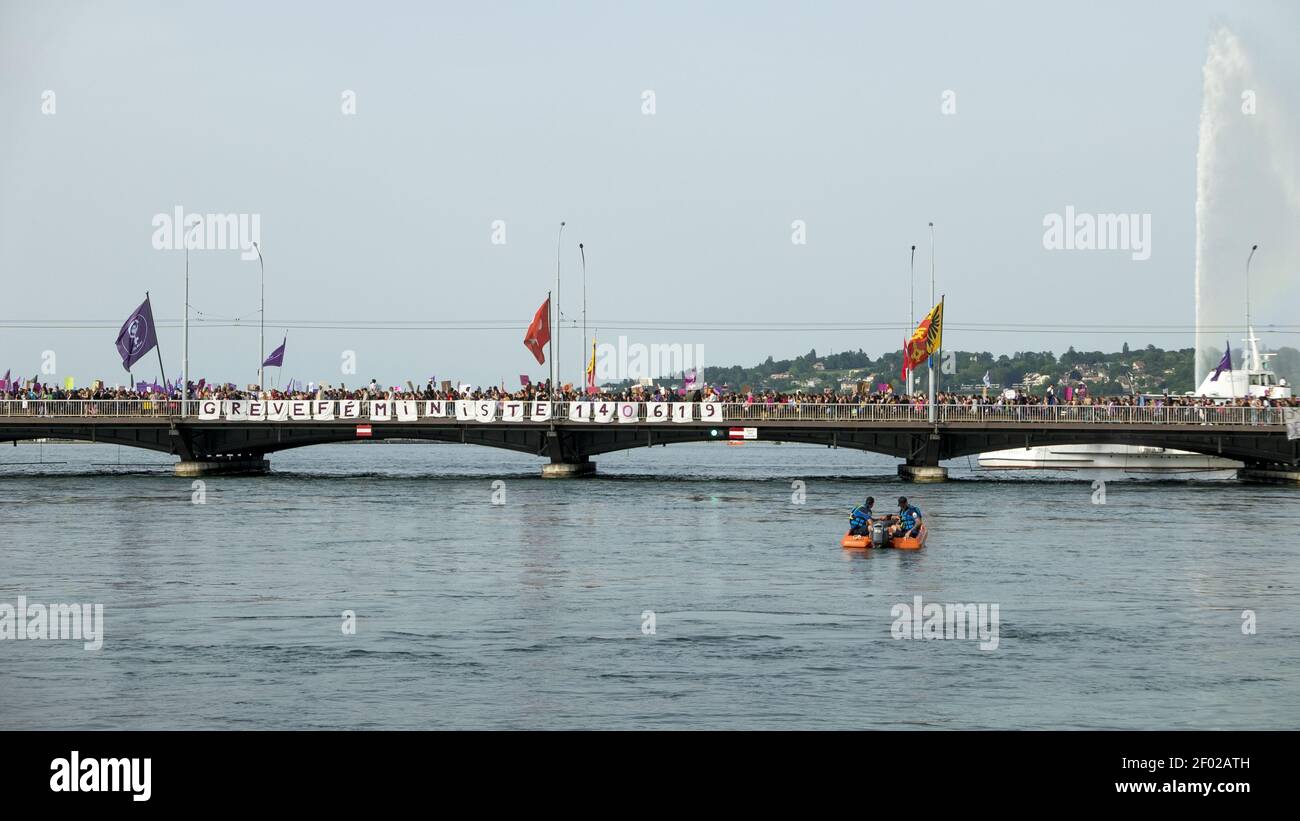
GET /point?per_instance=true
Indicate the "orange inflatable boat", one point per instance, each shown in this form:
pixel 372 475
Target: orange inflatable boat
pixel 898 542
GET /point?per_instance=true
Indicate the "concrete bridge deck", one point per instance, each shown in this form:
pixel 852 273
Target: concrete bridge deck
pixel 236 436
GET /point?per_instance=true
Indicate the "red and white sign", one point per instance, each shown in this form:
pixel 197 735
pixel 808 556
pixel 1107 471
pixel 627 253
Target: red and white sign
pixel 363 431
pixel 743 433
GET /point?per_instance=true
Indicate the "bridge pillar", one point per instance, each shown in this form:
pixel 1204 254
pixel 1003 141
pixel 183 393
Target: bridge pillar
pixel 1270 474
pixel 571 469
pixel 223 466
pixel 922 473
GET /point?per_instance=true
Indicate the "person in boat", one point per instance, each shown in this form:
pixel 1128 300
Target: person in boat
pixel 860 518
pixel 908 521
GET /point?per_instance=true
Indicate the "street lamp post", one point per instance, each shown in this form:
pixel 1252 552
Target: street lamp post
pixel 555 309
pixel 911 316
pixel 1249 334
pixel 261 333
pixel 582 349
pixel 933 414
pixel 185 341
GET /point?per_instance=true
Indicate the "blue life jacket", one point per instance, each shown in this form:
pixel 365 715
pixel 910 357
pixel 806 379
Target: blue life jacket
pixel 860 516
pixel 909 515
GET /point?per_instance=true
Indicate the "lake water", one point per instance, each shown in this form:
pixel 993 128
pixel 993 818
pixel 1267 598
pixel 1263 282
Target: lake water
pixel 530 614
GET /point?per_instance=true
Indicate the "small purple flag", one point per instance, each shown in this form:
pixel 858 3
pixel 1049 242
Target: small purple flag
pixel 138 335
pixel 141 387
pixel 4 383
pixel 1225 364
pixel 524 380
pixel 276 359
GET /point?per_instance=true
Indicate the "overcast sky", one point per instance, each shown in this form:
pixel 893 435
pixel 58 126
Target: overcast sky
pixel 533 113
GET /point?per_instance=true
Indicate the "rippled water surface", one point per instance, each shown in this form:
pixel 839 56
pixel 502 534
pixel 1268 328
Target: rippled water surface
pixel 529 613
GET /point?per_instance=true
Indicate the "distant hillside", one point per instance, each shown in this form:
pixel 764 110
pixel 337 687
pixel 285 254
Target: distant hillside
pixel 1146 370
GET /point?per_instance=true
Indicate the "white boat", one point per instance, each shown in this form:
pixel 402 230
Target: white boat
pixel 1255 379
pixel 1136 460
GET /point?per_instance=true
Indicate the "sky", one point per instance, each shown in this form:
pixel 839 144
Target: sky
pixel 859 122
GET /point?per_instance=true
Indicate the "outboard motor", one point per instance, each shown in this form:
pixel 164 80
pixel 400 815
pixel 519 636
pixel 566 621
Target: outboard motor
pixel 879 534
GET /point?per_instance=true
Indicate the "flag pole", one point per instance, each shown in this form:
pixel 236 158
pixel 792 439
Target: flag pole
pixel 157 348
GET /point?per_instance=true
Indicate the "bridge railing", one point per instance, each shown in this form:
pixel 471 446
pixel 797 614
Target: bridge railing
pixel 89 408
pixel 737 413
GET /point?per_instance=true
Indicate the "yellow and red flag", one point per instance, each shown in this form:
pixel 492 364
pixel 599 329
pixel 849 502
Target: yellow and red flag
pixel 591 368
pixel 926 340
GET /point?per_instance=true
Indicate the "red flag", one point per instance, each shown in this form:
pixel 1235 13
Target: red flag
pixel 539 332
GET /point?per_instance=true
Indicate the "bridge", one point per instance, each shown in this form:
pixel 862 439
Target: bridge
pixel 236 436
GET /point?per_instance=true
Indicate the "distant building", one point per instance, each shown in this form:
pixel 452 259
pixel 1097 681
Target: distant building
pixel 780 376
pixel 819 366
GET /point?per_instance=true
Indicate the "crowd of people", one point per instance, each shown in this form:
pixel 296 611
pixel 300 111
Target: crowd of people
pixel 1069 396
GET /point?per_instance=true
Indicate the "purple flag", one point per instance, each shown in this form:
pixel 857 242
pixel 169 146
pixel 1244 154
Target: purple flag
pixel 4 383
pixel 138 335
pixel 524 380
pixel 141 387
pixel 690 380
pixel 1225 364
pixel 276 359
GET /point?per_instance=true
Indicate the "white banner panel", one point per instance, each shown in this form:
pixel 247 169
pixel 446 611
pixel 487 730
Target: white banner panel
pixel 209 409
pixel 322 410
pixel 381 409
pixel 603 411
pixel 256 410
pixel 579 411
pixel 513 410
pixel 405 410
pixel 485 411
pixel 277 410
pixel 682 411
pixel 656 412
pixel 464 410
pixel 299 409
pixel 709 411
pixel 236 410
pixel 626 412
pixel 350 409
pixel 541 411
pixel 435 409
